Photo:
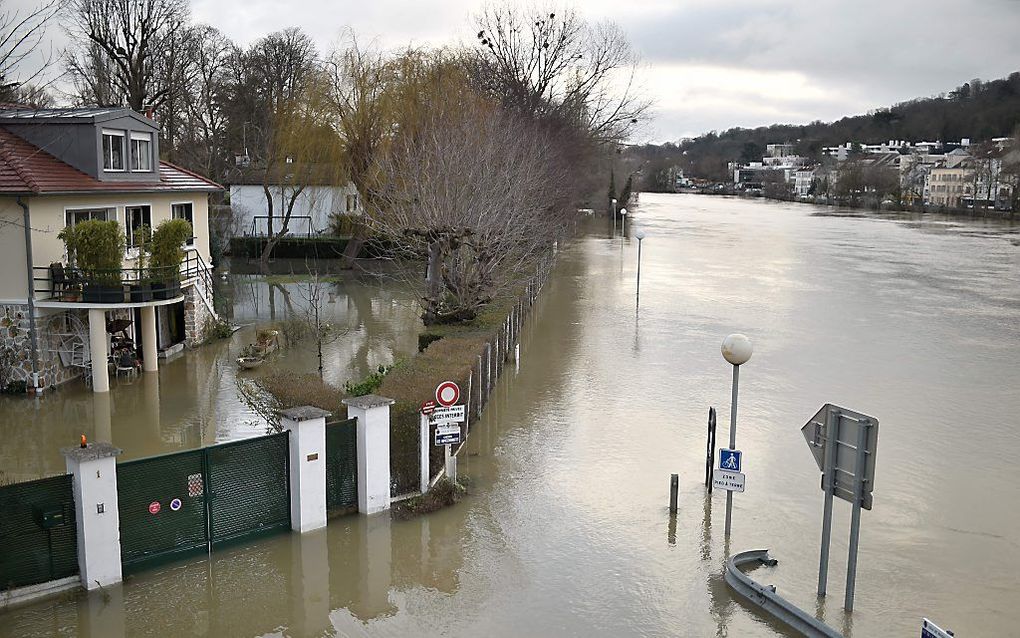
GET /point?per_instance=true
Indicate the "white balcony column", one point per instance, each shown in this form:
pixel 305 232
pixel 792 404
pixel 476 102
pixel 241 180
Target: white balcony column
pixel 149 356
pixel 373 415
pixel 97 516
pixel 307 427
pixel 99 347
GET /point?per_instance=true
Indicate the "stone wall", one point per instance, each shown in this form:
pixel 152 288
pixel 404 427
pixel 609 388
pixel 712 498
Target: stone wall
pixel 197 318
pixel 15 339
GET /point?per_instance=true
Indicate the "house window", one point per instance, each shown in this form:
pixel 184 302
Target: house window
pixel 73 217
pixel 113 150
pixel 185 211
pixel 141 151
pixel 352 203
pixel 135 217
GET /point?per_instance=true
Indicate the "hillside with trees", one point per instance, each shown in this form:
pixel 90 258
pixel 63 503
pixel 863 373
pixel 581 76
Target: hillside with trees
pixel 977 110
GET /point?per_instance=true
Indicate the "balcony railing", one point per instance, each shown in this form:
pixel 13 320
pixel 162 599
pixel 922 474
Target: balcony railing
pixel 63 282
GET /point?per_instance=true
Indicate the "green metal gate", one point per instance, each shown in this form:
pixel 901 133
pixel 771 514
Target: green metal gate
pixel 249 487
pixel 38 540
pixel 187 501
pixel 341 466
pixel 146 488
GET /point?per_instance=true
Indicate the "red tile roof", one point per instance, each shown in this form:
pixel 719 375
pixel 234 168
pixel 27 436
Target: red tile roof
pixel 28 170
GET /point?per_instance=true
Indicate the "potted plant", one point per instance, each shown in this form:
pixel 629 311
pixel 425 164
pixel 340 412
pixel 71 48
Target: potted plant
pixel 165 255
pixel 251 357
pixel 141 288
pixel 97 248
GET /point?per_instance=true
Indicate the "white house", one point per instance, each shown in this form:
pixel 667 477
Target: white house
pixel 314 209
pixel 59 168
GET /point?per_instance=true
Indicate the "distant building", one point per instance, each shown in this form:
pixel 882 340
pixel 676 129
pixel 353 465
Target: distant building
pixel 318 203
pixel 803 180
pixel 677 180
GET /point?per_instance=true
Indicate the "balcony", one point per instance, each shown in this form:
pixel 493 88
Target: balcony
pixel 61 285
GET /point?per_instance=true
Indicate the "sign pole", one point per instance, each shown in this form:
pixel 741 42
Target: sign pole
pixel 829 485
pixel 451 463
pixel 733 443
pixel 855 518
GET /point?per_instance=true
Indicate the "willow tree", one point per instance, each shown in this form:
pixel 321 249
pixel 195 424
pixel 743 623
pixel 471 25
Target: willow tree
pixel 301 151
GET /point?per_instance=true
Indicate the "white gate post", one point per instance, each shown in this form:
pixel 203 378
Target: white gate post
pixel 307 427
pixel 96 512
pixel 373 415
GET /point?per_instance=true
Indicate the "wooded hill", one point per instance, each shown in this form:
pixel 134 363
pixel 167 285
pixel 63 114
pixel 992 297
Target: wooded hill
pixel 977 110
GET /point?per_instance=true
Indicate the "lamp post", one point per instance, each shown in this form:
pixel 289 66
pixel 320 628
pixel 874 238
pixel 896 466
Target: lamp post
pixel 737 350
pixel 623 222
pixel 614 217
pixel 640 234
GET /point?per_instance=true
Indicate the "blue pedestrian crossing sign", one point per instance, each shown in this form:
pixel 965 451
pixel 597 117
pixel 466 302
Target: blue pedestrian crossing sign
pixel 730 460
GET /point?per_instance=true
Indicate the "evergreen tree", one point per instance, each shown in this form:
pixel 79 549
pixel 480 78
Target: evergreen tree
pixel 612 188
pixel 625 193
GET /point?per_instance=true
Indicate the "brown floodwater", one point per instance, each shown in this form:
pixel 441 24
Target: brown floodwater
pixel 193 400
pixel 566 532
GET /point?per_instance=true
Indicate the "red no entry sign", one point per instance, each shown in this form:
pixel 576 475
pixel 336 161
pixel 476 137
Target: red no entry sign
pixel 154 507
pixel 447 393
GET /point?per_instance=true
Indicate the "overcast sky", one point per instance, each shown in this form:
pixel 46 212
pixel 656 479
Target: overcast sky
pixel 714 64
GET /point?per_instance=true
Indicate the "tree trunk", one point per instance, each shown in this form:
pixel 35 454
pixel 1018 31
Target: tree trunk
pixel 433 284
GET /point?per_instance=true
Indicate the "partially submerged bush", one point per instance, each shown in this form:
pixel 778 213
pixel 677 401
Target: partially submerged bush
pixel 443 494
pixel 369 384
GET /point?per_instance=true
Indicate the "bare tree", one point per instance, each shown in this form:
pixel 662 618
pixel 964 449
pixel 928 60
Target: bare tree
pixel 203 113
pixel 478 192
pixel 314 292
pixel 548 64
pixel 21 36
pixel 128 39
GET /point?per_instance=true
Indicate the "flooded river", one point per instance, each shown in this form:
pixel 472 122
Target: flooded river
pixel 915 320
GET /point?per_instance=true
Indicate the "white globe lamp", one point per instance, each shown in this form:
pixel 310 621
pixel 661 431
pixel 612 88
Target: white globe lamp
pixel 737 349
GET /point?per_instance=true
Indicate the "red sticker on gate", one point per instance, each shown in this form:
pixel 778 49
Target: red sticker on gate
pixel 154 507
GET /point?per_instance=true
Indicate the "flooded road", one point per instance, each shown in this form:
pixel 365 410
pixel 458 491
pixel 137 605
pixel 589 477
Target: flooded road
pixel 566 530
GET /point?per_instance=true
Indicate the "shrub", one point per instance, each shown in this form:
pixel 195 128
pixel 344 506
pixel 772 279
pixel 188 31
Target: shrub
pixel 369 384
pixel 443 494
pixel 219 329
pixel 97 248
pixel 425 339
pixel 267 395
pixel 166 248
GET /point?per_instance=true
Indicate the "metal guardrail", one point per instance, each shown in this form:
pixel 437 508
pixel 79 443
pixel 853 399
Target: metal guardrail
pixel 256 231
pixel 766 598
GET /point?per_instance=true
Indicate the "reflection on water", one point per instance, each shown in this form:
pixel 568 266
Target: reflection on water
pixel 193 400
pixel 566 530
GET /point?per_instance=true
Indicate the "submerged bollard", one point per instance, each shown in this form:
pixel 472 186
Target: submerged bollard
pixel 674 487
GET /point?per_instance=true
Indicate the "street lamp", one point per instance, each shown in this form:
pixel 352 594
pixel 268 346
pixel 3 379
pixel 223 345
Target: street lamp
pixel 623 222
pixel 614 216
pixel 737 350
pixel 640 234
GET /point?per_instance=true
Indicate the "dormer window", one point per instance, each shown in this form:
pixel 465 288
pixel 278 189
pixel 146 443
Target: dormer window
pixel 141 151
pixel 113 150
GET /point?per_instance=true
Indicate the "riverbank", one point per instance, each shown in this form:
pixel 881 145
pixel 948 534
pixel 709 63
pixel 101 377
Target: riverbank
pixel 948 212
